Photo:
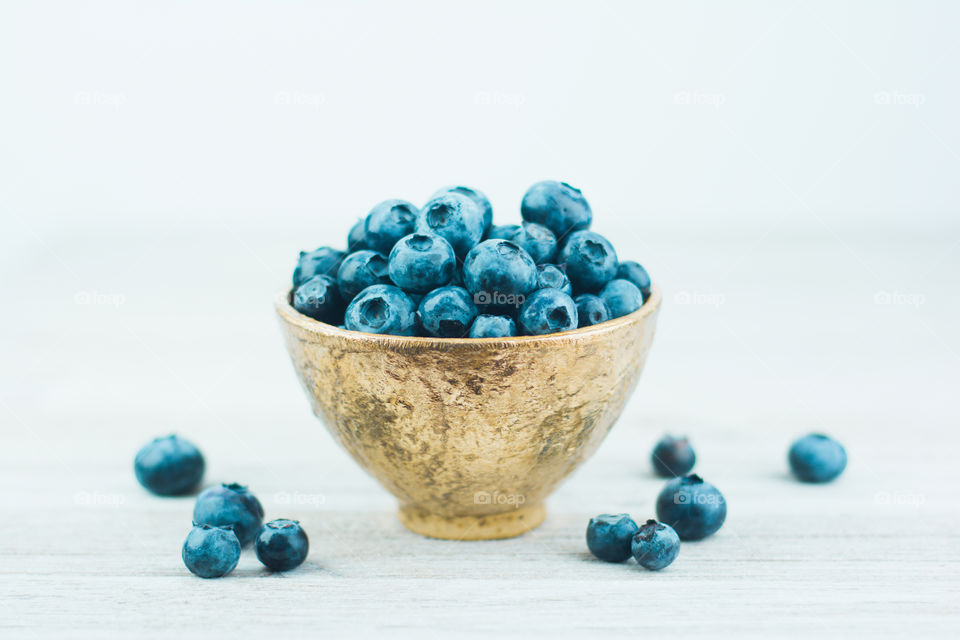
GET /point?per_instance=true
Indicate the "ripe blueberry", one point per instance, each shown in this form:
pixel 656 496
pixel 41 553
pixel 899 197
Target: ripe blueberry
pixel 323 261
pixel 550 276
pixel 591 310
pixel 319 297
pixel 590 260
pixel 694 508
pixel 655 545
pixel 383 309
pixel 548 311
pixel 357 238
pixel 557 206
pixel 487 326
pixel 622 297
pixel 282 545
pixel 673 457
pixel 499 274
pixel 636 274
pixel 447 312
pixel 535 239
pixel 387 223
pixel 456 218
pixel 421 262
pixel 360 270
pixel 210 551
pixel 817 458
pixel 609 536
pixel 169 466
pixel 230 505
pixel 481 200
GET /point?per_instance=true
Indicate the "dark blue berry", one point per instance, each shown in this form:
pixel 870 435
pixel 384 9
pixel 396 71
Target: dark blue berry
pixel 230 505
pixel 387 223
pixel 622 297
pixel 550 276
pixel 535 239
pixel 456 218
pixel 591 309
pixel 169 466
pixel 487 326
pixel 609 536
pixel 557 206
pixel 421 262
pixel 360 270
pixel 499 274
pixel 817 458
pixel 673 457
pixel 636 274
pixel 447 312
pixel 548 311
pixel 694 508
pixel 590 261
pixel 321 262
pixel 481 200
pixel 319 297
pixel 502 231
pixel 210 551
pixel 282 545
pixel 357 239
pixel 383 309
pixel 655 545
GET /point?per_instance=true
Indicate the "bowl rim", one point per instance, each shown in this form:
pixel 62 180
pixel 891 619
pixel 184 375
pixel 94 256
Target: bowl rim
pixel 290 315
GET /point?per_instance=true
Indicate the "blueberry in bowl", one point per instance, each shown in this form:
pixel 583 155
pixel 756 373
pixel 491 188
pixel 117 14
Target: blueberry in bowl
pixel 550 276
pixel 387 223
pixel 382 308
pixel 320 262
pixel 421 262
pixel 447 312
pixel 319 298
pixel 535 239
pixel 557 206
pixel 456 218
pixel 548 311
pixel 591 310
pixel 622 297
pixel 590 260
pixel 359 270
pixel 499 274
pixel 477 196
pixel 491 326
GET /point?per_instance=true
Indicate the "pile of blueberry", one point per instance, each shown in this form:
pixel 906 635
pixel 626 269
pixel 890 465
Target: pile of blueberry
pixel 225 518
pixel 446 271
pixel 691 509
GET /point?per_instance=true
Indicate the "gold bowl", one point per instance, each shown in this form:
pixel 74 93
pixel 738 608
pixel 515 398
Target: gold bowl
pixel 470 435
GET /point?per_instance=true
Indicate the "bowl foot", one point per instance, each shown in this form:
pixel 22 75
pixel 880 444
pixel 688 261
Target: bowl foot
pixel 489 527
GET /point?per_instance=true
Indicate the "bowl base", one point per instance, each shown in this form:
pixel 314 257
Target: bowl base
pixel 490 527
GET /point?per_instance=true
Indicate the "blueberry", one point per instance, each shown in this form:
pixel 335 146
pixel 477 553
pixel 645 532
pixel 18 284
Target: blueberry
pixel 481 200
pixel 591 309
pixel 557 206
pixel 357 239
pixel 382 308
pixel 421 262
pixel 502 231
pixel 535 239
pixel 550 276
pixel 282 545
pixel 637 275
pixel 230 505
pixel 169 466
pixel 447 312
pixel 487 326
pixel 548 311
pixel 609 536
pixel 817 458
pixel 321 262
pixel 694 508
pixel 499 274
pixel 455 217
pixel 655 545
pixel 319 297
pixel 387 223
pixel 622 297
pixel 360 270
pixel 590 260
pixel 673 457
pixel 210 551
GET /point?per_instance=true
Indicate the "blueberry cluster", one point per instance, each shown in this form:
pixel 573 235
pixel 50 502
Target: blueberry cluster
pixel 445 271
pixel 226 518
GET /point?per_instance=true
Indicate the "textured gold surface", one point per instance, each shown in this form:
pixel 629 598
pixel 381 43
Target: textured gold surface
pixel 470 435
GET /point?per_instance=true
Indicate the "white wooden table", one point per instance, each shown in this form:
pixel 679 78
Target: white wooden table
pixel 117 339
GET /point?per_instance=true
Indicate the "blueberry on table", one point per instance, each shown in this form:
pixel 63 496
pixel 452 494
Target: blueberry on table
pixel 622 297
pixel 387 223
pixel 169 466
pixel 447 312
pixel 421 262
pixel 557 206
pixel 319 298
pixel 535 239
pixel 323 261
pixel 489 326
pixel 230 505
pixel 548 311
pixel 673 457
pixel 590 260
pixel 383 309
pixel 694 508
pixel 636 274
pixel 357 238
pixel 550 276
pixel 655 546
pixel 456 218
pixel 609 536
pixel 591 310
pixel 477 196
pixel 499 274
pixel 210 551
pixel 282 545
pixel 817 458
pixel 360 270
